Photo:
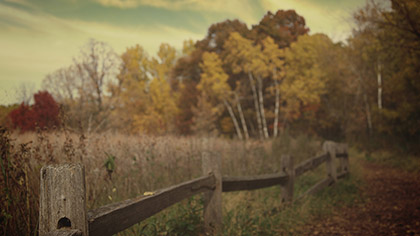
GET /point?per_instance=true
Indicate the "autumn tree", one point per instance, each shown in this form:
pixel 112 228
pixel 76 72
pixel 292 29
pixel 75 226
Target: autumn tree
pixel 187 70
pixel 142 96
pixel 4 114
pixel 44 113
pixel 81 87
pixel 243 57
pixel 305 76
pixel 283 26
pixel 318 87
pixel 273 66
pixel 129 90
pixel 23 118
pixel 257 62
pixel 214 86
pixel 386 45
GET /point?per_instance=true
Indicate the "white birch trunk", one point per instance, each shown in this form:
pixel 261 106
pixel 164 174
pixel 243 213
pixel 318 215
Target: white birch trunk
pixel 257 108
pixel 261 101
pixel 241 115
pixel 368 113
pixel 233 117
pixel 276 105
pixel 379 87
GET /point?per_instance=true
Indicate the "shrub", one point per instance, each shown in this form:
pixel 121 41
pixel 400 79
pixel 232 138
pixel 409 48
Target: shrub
pixel 44 113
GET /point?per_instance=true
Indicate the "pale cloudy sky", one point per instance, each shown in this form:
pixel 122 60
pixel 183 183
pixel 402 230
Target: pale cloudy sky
pixel 38 37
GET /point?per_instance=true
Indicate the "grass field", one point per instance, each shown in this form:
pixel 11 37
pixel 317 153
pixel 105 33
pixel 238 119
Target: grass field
pixel 119 167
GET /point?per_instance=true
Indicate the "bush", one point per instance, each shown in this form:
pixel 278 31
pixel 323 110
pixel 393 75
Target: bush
pixel 44 113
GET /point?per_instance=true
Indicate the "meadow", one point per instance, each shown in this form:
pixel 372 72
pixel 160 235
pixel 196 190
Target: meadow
pixel 120 167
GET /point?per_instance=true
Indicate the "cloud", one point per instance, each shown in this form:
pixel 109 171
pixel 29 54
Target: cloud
pixel 120 3
pixel 241 9
pixel 33 45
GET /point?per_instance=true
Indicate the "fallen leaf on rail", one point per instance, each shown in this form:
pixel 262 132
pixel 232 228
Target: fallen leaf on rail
pixel 148 193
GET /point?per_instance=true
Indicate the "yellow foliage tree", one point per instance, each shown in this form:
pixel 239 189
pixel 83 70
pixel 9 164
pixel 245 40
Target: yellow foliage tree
pixel 273 66
pixel 243 57
pixel 305 76
pixel 161 107
pixel 129 92
pixel 213 85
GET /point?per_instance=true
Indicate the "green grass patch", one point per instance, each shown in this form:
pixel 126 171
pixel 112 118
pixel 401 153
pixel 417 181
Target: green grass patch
pixel 393 159
pixel 260 212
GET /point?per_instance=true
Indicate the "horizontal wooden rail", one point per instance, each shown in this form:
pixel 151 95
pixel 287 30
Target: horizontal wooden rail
pixel 320 185
pixel 341 155
pixel 310 164
pixel 113 218
pixel 230 184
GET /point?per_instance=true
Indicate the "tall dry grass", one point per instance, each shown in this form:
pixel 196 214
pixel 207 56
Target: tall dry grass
pixel 120 166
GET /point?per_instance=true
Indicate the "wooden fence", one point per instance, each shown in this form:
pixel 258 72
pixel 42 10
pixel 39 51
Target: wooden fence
pixel 63 197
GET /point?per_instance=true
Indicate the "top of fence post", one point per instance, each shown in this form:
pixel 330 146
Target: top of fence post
pixel 62 204
pixel 329 148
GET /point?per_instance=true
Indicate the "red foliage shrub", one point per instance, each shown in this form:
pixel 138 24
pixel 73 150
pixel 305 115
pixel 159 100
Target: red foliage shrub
pixel 44 113
pixel 23 118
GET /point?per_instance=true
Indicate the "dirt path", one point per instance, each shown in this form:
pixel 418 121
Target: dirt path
pixel 392 206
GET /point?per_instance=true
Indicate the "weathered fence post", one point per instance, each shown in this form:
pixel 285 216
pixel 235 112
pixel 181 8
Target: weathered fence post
pixel 330 149
pixel 344 161
pixel 62 205
pixel 289 169
pixel 211 163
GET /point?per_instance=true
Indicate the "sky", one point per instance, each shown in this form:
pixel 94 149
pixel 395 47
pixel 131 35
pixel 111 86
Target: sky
pixel 38 37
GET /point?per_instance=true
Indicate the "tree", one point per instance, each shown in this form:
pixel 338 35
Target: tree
pixel 4 114
pixel 188 46
pixel 23 118
pixel 46 110
pixel 129 91
pixel 305 73
pixel 389 37
pixel 63 84
pixel 44 113
pixel 187 70
pixel 283 26
pixel 214 85
pixel 81 87
pixel 96 66
pixel 243 57
pixel 160 103
pixel 160 109
pixel 273 61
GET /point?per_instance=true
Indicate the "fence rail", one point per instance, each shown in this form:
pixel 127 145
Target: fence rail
pixel 63 207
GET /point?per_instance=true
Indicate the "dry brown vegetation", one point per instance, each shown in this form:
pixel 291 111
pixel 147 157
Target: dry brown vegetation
pixel 120 166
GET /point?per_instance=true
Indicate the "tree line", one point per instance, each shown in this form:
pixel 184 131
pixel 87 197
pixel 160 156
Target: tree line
pixel 257 82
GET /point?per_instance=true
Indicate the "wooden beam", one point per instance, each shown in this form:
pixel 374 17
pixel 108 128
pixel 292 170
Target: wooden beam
pixel 341 155
pixel 320 185
pixel 253 182
pixel 113 218
pixel 310 164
